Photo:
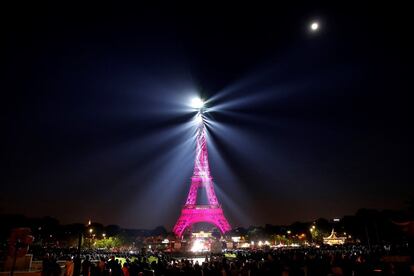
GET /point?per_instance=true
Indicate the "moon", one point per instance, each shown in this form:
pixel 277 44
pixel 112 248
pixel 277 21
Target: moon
pixel 314 26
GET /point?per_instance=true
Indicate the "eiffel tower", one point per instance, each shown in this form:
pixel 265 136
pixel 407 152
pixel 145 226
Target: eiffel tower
pixel 193 212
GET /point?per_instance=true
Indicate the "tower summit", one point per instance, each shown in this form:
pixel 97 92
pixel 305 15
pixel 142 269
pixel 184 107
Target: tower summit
pixel 193 212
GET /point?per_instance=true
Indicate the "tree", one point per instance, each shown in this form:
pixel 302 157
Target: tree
pixel 112 230
pixel 159 231
pixel 108 243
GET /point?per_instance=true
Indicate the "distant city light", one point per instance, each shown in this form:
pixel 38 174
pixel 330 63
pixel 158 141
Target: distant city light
pixel 235 239
pixel 197 103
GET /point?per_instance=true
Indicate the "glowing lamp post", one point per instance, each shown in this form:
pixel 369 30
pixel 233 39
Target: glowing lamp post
pixel 90 237
pixel 81 234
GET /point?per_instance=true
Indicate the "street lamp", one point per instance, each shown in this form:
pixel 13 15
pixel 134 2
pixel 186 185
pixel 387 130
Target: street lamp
pixel 81 234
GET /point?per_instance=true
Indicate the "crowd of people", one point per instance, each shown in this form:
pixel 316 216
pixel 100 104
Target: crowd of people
pixel 353 261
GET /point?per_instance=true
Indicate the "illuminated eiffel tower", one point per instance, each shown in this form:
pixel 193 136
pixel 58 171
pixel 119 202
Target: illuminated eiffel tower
pixel 192 212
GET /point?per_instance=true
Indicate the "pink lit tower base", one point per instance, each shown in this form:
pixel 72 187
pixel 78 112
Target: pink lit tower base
pixel 192 212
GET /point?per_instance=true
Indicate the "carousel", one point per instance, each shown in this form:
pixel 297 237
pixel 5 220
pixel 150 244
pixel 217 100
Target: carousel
pixel 333 239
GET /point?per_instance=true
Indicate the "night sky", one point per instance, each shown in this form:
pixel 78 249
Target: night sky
pixel 95 119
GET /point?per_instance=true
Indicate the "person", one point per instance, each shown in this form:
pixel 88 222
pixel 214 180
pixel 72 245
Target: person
pixel 114 267
pixel 86 266
pixel 69 267
pixel 125 269
pixel 55 268
pixel 101 266
pixel 46 265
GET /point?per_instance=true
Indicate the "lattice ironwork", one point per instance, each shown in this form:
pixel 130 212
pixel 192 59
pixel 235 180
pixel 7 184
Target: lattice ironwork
pixel 192 212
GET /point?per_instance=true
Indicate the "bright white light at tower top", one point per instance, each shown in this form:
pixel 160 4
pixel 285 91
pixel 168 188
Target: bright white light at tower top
pixel 197 103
